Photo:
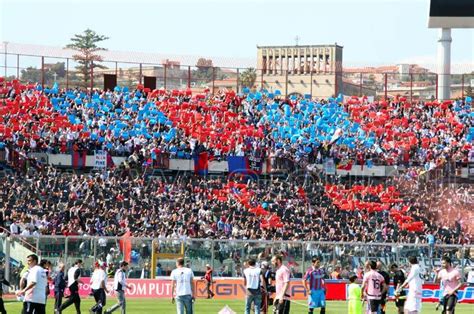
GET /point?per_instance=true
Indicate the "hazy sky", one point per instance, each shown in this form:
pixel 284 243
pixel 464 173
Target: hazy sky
pixel 371 31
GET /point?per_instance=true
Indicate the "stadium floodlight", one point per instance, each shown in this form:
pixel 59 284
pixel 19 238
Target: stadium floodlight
pixel 5 43
pixel 445 15
pixel 451 14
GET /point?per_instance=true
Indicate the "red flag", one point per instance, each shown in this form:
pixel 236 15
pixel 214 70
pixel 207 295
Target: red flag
pixel 79 159
pixel 301 192
pixel 126 246
pixel 110 161
pixel 346 165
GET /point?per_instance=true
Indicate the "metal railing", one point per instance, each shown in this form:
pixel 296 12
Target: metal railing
pixel 227 256
pixel 420 84
pixel 23 242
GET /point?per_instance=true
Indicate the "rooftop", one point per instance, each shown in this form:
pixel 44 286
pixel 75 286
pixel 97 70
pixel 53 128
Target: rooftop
pixel 302 46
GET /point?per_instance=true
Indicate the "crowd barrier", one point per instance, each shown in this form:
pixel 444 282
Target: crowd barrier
pixel 164 162
pixel 225 256
pixel 234 288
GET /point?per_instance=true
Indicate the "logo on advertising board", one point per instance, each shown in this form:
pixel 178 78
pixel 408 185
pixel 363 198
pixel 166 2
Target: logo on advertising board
pixel 234 288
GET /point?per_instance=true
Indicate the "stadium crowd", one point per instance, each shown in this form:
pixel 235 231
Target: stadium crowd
pixel 144 123
pixel 52 202
pixel 124 121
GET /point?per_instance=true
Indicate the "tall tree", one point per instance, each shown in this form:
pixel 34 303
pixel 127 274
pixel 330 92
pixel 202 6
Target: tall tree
pixel 468 91
pixel 204 70
pixel 59 68
pixel 248 77
pixel 32 74
pixel 86 46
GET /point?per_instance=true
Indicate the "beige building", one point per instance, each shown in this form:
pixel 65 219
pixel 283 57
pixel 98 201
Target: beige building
pixel 313 69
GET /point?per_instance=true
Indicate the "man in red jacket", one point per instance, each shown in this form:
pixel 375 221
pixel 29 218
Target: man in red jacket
pixel 208 278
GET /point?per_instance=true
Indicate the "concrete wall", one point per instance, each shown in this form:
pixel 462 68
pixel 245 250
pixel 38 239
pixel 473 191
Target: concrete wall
pixel 309 69
pixel 322 85
pixel 222 166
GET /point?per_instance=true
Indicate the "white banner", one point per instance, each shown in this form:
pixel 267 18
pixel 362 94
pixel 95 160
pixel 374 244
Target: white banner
pixel 329 166
pixel 471 155
pixel 100 159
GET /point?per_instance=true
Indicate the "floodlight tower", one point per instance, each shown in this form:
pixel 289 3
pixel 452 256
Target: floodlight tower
pixel 445 15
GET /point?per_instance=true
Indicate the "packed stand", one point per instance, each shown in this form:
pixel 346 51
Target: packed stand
pixel 182 124
pixel 52 202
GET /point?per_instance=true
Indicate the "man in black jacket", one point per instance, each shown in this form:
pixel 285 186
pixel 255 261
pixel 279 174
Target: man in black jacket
pixel 3 281
pixel 269 277
pixel 59 286
pixel 73 281
pixel 398 280
pixel 386 278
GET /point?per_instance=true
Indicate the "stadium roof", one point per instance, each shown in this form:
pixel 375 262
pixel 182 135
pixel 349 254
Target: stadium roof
pixel 126 56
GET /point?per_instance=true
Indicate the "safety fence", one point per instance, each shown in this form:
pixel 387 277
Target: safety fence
pixel 417 83
pixel 226 257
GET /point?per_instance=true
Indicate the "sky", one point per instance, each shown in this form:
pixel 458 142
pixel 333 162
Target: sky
pixel 373 32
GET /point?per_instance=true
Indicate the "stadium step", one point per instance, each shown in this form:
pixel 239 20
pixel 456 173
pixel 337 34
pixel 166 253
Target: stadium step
pixel 17 248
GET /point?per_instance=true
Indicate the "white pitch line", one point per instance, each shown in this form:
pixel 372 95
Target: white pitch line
pixel 299 303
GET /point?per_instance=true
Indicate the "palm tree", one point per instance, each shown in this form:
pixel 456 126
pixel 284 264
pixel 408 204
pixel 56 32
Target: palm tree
pixel 248 77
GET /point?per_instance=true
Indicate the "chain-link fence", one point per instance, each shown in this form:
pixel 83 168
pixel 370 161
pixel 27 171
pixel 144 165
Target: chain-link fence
pixel 71 73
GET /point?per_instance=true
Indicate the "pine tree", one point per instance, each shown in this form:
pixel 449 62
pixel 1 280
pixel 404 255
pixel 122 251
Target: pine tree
pixel 468 92
pixel 86 46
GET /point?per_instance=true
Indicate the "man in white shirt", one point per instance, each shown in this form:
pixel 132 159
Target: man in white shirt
pixel 470 277
pixel 103 245
pixel 35 290
pixel 14 229
pixel 415 289
pixel 73 281
pixel 253 280
pixel 120 284
pixel 26 232
pixel 99 287
pixel 109 259
pixel 182 286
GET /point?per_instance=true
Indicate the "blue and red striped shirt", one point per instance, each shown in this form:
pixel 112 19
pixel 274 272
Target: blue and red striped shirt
pixel 315 278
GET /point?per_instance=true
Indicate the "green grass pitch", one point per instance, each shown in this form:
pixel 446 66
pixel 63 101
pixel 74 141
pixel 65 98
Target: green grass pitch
pixel 204 306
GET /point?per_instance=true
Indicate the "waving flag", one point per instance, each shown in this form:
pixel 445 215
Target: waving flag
pixel 201 163
pixel 125 244
pixel 79 159
pixel 241 165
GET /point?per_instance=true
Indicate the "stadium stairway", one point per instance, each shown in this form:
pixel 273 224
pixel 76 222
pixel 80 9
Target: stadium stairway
pixel 17 248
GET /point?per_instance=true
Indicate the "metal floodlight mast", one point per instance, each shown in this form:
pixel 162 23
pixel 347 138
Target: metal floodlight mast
pixel 445 15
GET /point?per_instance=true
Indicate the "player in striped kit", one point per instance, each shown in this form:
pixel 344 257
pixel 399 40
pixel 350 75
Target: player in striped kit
pixel 315 287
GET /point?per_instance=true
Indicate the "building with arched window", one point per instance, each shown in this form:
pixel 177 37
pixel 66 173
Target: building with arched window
pixel 312 69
